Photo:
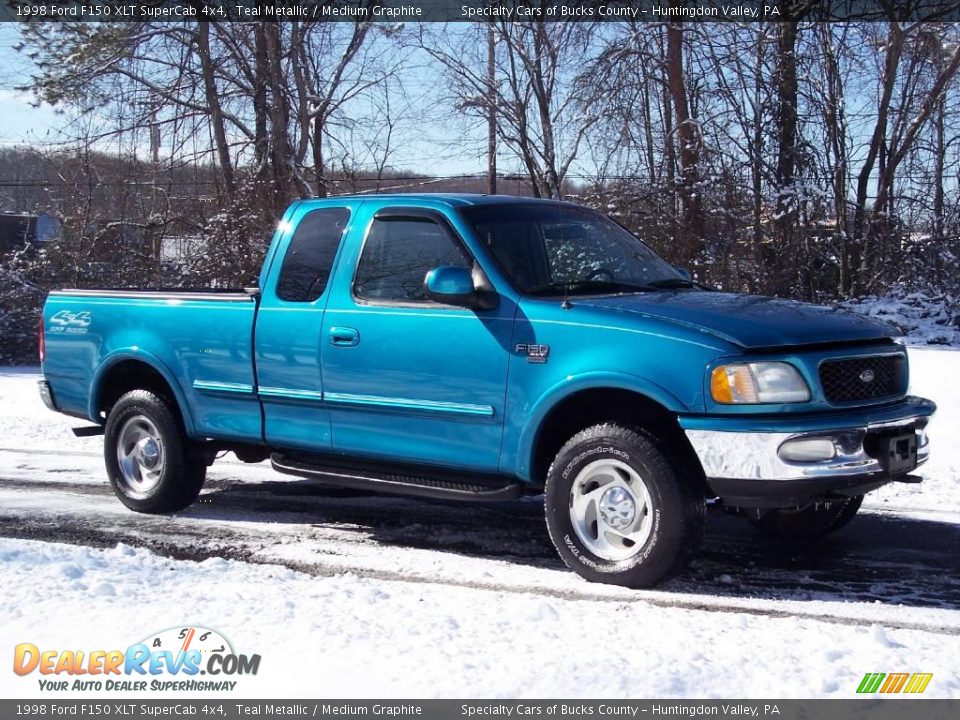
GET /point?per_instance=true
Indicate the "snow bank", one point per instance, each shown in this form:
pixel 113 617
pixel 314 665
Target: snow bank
pixel 26 421
pixel 347 636
pixel 925 318
pixel 934 374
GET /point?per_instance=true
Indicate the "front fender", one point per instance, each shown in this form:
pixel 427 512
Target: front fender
pixel 570 385
pixel 148 358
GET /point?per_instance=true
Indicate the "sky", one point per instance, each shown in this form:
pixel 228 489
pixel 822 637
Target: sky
pixel 436 144
pixel 23 124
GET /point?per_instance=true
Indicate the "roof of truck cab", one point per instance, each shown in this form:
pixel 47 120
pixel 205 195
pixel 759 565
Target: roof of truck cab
pixel 454 199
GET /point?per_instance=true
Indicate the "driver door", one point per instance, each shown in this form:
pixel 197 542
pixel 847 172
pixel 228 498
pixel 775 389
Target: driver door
pixel 407 378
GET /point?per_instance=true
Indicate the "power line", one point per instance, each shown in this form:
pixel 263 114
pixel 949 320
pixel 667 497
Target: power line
pixel 40 182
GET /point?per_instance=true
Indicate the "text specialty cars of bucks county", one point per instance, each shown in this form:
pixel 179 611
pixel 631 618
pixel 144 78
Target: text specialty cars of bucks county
pixel 488 347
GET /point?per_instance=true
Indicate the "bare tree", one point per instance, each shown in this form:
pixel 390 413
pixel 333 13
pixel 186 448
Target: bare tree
pixel 689 139
pixel 543 104
pixel 270 94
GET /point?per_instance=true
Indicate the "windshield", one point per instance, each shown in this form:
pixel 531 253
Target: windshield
pixel 554 248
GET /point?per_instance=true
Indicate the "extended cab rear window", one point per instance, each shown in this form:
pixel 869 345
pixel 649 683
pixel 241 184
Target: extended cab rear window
pixel 309 259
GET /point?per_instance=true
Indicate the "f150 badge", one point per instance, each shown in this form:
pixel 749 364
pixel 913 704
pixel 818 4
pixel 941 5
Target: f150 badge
pixel 535 353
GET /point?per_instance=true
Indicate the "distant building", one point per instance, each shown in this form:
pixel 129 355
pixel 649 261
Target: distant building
pixel 19 229
pixel 179 249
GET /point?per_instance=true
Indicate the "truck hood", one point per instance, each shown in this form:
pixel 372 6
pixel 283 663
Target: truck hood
pixel 751 321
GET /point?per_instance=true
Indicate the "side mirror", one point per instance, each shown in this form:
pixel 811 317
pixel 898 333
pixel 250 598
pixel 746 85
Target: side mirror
pixel 455 286
pixel 683 271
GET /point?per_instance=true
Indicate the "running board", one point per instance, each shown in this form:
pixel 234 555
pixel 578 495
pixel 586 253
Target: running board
pixel 88 431
pixel 442 486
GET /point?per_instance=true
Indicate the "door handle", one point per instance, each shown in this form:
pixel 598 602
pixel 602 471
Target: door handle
pixel 344 336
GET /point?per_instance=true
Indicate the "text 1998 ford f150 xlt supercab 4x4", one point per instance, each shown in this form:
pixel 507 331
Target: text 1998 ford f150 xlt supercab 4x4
pixel 485 347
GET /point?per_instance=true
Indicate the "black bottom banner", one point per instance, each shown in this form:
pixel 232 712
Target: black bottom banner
pixel 874 709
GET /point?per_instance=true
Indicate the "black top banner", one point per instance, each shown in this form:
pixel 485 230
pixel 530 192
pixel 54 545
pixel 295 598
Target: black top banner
pixel 201 707
pixel 393 11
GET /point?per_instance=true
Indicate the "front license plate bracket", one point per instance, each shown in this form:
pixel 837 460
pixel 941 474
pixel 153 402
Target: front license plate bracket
pixel 898 453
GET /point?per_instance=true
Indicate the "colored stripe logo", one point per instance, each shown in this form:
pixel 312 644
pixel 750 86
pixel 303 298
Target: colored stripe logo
pixel 888 683
pixel 918 682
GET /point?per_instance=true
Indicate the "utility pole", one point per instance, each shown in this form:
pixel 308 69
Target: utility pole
pixel 491 112
pixel 154 138
pixel 155 241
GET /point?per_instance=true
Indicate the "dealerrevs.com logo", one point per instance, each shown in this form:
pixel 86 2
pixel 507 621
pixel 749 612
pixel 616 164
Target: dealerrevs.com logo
pixel 179 659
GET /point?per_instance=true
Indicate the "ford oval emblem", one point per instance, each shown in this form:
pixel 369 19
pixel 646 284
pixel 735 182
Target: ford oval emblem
pixel 867 376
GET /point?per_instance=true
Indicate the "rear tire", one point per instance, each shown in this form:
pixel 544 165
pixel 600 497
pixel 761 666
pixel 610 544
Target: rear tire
pixel 617 511
pixel 809 522
pixel 152 465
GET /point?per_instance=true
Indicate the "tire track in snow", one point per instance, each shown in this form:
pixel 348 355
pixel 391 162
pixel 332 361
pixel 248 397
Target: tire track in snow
pixel 501 547
pixel 171 547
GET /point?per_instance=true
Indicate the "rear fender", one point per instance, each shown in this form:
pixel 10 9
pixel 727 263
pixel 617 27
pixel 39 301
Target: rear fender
pixel 147 358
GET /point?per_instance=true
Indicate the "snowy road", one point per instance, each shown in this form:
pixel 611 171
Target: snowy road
pixel 888 561
pixel 886 588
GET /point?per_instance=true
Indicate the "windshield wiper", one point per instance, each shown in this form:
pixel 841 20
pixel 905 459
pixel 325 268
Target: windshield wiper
pixel 586 286
pixel 668 283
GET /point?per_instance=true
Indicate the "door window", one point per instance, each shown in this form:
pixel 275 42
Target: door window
pixel 398 254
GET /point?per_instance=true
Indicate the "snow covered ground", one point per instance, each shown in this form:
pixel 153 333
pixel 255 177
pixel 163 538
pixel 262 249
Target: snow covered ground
pixel 935 374
pixel 347 595
pixel 349 636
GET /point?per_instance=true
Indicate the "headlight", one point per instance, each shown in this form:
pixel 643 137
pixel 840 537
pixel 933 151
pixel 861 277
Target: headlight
pixel 758 382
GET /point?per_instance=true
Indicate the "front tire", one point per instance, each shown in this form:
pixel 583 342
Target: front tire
pixel 152 465
pixel 617 511
pixel 809 522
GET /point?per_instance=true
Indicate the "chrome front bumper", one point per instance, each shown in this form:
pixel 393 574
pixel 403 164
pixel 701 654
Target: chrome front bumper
pixel 728 455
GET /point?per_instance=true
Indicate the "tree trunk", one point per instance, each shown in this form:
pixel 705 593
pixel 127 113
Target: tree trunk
pixel 939 151
pixel 783 255
pixel 491 111
pixel 650 157
pixel 261 139
pixel 927 108
pixel 213 103
pixel 689 139
pixel 756 150
pixel 785 82
pixel 319 165
pixel 861 248
pixel 542 93
pixel 280 159
pixel 670 164
pixel 835 127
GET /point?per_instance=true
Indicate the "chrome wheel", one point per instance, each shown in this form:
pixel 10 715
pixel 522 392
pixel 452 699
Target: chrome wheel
pixel 611 510
pixel 140 456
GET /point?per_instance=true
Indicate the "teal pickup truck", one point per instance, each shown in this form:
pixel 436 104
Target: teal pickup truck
pixel 487 347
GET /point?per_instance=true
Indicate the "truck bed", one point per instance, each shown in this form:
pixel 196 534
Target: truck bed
pixel 199 339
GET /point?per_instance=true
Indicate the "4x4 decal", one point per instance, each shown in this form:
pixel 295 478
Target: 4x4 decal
pixel 68 321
